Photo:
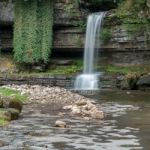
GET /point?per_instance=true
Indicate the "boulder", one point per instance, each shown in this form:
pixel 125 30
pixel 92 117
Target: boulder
pixel 129 81
pixel 144 82
pixel 12 103
pixel 14 113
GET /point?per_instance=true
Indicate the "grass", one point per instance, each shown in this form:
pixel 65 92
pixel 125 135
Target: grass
pixel 65 70
pixel 75 67
pixel 139 69
pixel 3 122
pixel 13 93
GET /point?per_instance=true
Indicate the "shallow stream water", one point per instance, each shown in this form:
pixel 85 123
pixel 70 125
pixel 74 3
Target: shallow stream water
pixel 126 126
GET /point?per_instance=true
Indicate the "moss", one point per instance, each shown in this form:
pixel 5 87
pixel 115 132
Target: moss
pixel 3 122
pixel 133 18
pixel 105 34
pixel 3 118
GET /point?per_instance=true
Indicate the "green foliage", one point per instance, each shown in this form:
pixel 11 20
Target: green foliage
pixel 105 34
pixel 133 18
pixel 132 11
pixel 135 30
pixel 3 122
pixel 33 31
pixel 80 25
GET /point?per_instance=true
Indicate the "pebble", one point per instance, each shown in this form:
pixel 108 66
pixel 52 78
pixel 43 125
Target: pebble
pixel 77 105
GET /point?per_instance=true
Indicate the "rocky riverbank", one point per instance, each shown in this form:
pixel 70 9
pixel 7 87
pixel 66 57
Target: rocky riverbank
pixel 60 100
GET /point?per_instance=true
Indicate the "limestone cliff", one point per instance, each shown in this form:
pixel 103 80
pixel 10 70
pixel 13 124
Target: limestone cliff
pixel 69 31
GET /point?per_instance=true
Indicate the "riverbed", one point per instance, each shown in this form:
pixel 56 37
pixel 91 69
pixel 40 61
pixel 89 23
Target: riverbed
pixel 126 126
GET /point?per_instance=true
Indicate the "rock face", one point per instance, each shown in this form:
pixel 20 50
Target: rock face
pixel 69 33
pixel 129 82
pixel 6 12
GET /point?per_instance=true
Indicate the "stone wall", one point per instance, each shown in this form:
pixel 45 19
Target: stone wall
pixel 60 81
pixel 106 81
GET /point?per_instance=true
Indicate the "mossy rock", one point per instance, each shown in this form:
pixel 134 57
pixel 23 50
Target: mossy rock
pixel 5 115
pixel 144 82
pixel 10 102
pixel 14 113
pixel 16 104
pixel 129 81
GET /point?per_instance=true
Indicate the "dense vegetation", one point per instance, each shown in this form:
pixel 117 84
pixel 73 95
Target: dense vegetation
pixel 33 31
pixel 134 17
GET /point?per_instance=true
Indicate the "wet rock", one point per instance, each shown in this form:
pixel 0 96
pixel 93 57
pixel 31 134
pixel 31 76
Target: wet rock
pixel 10 102
pixel 144 82
pixel 60 124
pixel 129 82
pixel 14 113
pixel 5 115
pixel 16 104
pixel 3 143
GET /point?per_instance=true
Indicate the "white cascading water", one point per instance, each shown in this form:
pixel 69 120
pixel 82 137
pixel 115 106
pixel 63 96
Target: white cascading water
pixel 89 79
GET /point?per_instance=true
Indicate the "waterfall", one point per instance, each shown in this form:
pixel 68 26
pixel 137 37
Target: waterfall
pixel 89 79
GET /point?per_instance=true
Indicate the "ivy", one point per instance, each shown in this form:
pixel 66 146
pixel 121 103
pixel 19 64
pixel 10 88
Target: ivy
pixel 33 31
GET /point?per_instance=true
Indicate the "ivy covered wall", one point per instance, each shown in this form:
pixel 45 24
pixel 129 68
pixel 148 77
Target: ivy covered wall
pixel 33 30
